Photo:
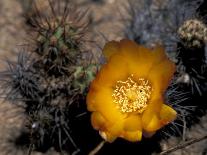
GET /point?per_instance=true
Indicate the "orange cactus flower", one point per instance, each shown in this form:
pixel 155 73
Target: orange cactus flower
pixel 126 97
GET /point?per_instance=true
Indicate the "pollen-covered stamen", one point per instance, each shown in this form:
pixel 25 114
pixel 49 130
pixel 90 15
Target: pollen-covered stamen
pixel 132 95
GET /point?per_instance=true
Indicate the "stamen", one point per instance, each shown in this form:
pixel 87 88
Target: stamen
pixel 132 95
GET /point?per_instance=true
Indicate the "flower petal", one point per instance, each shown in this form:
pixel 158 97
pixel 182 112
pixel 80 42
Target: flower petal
pixel 133 54
pixel 153 125
pixel 139 58
pixel 158 54
pixel 157 115
pixel 160 75
pixel 89 99
pixel 116 69
pixel 110 48
pixel 167 114
pixel 128 47
pixel 133 123
pixel 107 136
pixel 132 136
pixel 150 120
pixel 97 120
pixel 99 123
pixel 101 100
pixel 117 128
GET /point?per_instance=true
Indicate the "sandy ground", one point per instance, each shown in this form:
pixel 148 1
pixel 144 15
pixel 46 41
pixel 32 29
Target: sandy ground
pixel 108 26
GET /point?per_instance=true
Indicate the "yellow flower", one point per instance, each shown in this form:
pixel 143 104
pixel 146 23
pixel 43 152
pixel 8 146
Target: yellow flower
pixel 126 97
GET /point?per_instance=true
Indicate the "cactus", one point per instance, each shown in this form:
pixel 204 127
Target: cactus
pixel 60 38
pixel 51 77
pixel 191 54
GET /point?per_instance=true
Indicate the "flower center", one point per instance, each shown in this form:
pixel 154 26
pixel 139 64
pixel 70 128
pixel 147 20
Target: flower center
pixel 131 95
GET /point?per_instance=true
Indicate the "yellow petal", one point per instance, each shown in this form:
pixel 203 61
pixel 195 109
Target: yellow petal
pixel 107 136
pixel 112 132
pixel 133 123
pixel 102 101
pixel 110 48
pixel 117 128
pixel 154 107
pixel 108 131
pixel 116 69
pixel 150 120
pixel 132 136
pixel 98 122
pixel 128 46
pixel 89 99
pixel 134 55
pixel 153 125
pixel 161 74
pixel 158 54
pixel 167 114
